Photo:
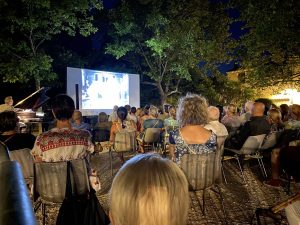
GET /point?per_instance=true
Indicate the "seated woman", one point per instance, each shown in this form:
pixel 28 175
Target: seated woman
pixel 101 130
pixel 10 135
pixel 191 137
pixel 64 143
pixel 171 122
pixel 231 120
pixel 150 122
pixel 155 189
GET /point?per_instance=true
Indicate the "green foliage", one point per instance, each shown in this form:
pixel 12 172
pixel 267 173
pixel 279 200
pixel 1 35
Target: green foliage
pixel 162 40
pixel 26 25
pixel 270 50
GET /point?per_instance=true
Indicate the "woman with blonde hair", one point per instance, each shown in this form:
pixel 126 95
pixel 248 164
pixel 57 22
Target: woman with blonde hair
pixel 191 137
pixel 149 190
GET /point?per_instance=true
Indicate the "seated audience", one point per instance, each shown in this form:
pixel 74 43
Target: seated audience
pixel 257 125
pixel 191 137
pixel 284 109
pixel 113 116
pixel 103 122
pixel 64 143
pixel 231 119
pixel 122 124
pixel 139 114
pixel 163 113
pixel 8 104
pixel 10 135
pixel 171 122
pixel 294 118
pixel 77 121
pixel 149 190
pixel 247 114
pixel 274 118
pixel 213 122
pixel 150 122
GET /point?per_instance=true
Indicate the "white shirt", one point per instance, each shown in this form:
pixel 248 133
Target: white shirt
pixel 218 128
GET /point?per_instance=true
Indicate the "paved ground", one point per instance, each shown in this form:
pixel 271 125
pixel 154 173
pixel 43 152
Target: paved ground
pixel 240 200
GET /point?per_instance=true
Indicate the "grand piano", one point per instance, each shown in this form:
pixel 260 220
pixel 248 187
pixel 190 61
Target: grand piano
pixel 30 113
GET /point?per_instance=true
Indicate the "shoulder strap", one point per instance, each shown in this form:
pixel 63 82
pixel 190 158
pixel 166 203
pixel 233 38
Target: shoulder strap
pixel 10 137
pixel 189 148
pixel 155 123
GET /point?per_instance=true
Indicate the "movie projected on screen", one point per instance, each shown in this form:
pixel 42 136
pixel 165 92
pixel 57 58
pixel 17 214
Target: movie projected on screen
pixel 101 90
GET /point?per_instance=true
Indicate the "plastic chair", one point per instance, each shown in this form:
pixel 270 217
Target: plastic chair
pixel 251 149
pixel 50 182
pixel 15 204
pixel 270 142
pixel 4 154
pixel 25 159
pixel 151 138
pixel 203 171
pixel 124 142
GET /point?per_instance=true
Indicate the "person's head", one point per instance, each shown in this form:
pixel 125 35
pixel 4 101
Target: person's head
pixel 166 108
pixel 146 109
pixel 153 111
pixel 63 107
pixel 192 110
pixel 139 112
pixel 249 106
pixel 172 112
pixel 284 108
pixel 296 111
pixel 122 113
pixel 8 121
pixel 156 190
pixel 231 110
pixel 133 110
pixel 115 108
pixel 77 116
pixel 213 113
pixel 258 109
pixel 274 116
pixel 128 108
pixel 102 117
pixel 9 100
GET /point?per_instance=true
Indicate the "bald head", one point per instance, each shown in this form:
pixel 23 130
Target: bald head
pixel 258 109
pixel 213 113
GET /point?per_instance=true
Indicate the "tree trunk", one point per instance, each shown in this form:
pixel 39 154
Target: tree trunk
pixel 163 96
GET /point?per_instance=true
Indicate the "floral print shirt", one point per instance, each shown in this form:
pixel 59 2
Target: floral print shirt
pixel 182 148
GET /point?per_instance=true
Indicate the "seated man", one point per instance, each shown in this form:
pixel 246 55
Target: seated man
pixel 8 104
pixel 9 134
pixel 78 121
pixel 257 125
pixel 63 143
pixel 214 125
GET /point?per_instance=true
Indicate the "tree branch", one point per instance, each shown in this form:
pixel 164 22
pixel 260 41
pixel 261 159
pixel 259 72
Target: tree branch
pixel 149 83
pixel 143 53
pixel 176 89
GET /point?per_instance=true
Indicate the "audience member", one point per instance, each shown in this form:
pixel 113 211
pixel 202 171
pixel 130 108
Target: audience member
pixel 191 137
pixel 149 190
pixel 231 119
pixel 257 125
pixel 294 118
pixel 8 104
pixel 274 118
pixel 103 122
pixel 213 122
pixel 163 113
pixel 247 114
pixel 284 109
pixel 77 121
pixel 9 133
pixel 63 143
pixel 113 117
pixel 139 114
pixel 171 122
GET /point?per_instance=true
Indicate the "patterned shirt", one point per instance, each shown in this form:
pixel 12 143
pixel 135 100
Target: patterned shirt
pixel 182 148
pixel 62 145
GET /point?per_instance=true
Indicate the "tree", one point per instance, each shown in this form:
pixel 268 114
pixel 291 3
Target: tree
pixel 270 50
pixel 27 24
pixel 162 40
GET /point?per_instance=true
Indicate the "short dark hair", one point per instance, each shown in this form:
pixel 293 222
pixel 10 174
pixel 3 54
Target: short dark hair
pixel 133 109
pixel 8 121
pixel 63 107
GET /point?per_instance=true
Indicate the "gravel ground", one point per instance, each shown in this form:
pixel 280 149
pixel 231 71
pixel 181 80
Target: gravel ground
pixel 240 200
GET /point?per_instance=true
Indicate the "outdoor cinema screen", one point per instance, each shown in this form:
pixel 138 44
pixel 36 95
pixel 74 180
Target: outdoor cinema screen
pixel 99 91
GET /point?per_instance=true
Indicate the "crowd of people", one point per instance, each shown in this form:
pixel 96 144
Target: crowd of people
pixel 192 127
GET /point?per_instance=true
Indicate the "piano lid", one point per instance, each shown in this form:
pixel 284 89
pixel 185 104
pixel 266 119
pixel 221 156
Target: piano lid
pixel 35 100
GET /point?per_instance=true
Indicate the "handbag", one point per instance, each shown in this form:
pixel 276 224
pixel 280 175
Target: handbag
pixel 80 210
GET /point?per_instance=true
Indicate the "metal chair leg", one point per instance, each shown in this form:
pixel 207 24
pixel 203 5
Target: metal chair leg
pixel 223 172
pixel 262 167
pixel 44 213
pixel 237 158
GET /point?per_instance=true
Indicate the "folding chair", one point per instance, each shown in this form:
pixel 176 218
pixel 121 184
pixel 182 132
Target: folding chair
pixel 50 180
pixel 203 171
pixel 251 150
pixel 124 142
pixel 151 138
pixel 220 143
